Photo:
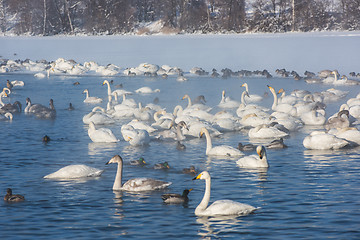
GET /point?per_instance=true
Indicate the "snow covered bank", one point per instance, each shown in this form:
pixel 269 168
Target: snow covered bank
pixel 293 51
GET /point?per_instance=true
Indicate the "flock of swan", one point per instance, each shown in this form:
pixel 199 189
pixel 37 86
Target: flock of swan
pixel 149 122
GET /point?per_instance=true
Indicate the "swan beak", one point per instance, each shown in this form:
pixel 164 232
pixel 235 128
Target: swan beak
pixel 201 134
pixel 281 90
pixel 198 177
pixel 190 189
pixel 260 153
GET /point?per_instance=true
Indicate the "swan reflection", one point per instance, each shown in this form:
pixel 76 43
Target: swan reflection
pixel 100 148
pixel 118 201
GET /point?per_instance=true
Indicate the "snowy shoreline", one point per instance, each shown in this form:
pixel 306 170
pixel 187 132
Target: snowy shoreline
pixel 297 51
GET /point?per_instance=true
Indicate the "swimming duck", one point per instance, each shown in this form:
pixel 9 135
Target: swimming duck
pixel 175 198
pixel 190 170
pixel 276 144
pixel 138 162
pixel 9 197
pixel 164 165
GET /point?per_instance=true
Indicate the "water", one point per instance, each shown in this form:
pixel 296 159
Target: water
pixel 304 194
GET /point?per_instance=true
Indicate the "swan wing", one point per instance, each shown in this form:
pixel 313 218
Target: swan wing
pixel 225 150
pixel 228 207
pixel 144 184
pixel 75 171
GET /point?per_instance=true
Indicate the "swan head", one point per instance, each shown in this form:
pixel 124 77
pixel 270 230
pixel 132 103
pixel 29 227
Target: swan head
pixel 271 88
pixel 85 91
pixel 115 159
pixel 244 84
pixel 260 150
pixel 202 175
pixel 5 89
pixel 185 96
pixel 183 125
pixel 105 82
pixel 202 131
pixel 281 90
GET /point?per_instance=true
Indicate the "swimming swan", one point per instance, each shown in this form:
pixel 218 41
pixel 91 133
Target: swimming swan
pixel 223 150
pixel 101 134
pixel 252 97
pixel 254 161
pixel 219 207
pixel 89 99
pixel 135 184
pixel 75 171
pixel 323 141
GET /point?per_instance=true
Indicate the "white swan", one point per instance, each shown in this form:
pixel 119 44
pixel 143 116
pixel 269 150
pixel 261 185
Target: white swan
pixel 136 137
pixel 89 99
pixel 6 116
pixel 119 92
pixel 266 131
pixel 252 97
pixel 223 150
pixel 17 83
pixel 283 107
pixel 219 207
pixel 2 94
pixel 323 141
pixel 227 102
pixel 101 134
pixel 349 134
pixel 289 99
pixel 197 106
pixel 313 117
pixel 254 161
pixel 341 120
pixel 135 184
pixel 146 90
pixel 75 171
pixel 98 116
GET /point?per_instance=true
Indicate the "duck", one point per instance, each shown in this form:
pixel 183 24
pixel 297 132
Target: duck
pixel 71 107
pixel 175 198
pixel 9 84
pixel 138 162
pixel 164 165
pixel 219 207
pixel 321 140
pixel 101 134
pixel 46 139
pixel 89 99
pixel 180 146
pixel 254 161
pixel 9 197
pixel 276 144
pixel 252 97
pixel 246 147
pixel 223 150
pixel 135 184
pixel 190 170
pixel 75 171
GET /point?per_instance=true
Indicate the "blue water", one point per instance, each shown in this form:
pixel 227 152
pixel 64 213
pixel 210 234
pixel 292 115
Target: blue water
pixel 304 194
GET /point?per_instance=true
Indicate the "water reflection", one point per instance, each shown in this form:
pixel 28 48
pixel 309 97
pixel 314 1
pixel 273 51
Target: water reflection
pixel 118 201
pixel 99 148
pixel 213 226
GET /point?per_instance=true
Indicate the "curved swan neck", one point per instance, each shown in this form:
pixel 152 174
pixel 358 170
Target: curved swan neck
pixel 118 178
pixel 87 93
pixel 208 140
pixel 246 87
pixel 108 86
pixel 189 101
pixel 1 96
pixel 179 134
pixel 243 98
pixel 272 90
pixel 205 201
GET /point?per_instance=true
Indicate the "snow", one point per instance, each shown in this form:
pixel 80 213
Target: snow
pixel 312 51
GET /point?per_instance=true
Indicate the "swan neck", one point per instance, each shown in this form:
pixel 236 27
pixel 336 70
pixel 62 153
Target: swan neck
pixel 117 183
pixel 205 201
pixel 189 102
pixel 109 88
pixel 243 98
pixel 208 141
pixel 179 134
pixel 1 96
pixel 275 100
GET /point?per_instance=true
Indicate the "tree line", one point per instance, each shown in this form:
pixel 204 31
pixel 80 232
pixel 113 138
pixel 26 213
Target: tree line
pixel 95 17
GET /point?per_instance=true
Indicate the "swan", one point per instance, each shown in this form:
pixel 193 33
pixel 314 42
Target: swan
pixel 266 131
pixel 219 207
pixel 179 134
pixel 288 121
pixel 101 134
pixel 135 184
pixel 330 79
pixel 9 197
pixel 143 113
pixel 136 137
pixel 254 161
pixel 345 81
pixel 252 97
pixel 227 102
pixel 283 107
pixel 198 106
pixel 181 77
pixel 313 117
pixel 31 108
pixel 146 90
pixel 195 127
pixel 349 134
pixel 98 116
pixel 89 99
pixel 339 121
pixel 323 141
pixel 135 123
pixel 45 112
pixel 119 92
pixel 6 116
pixel 2 94
pixel 175 198
pixel 75 171
pixel 11 107
pixel 223 150
pixel 289 99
